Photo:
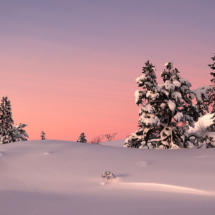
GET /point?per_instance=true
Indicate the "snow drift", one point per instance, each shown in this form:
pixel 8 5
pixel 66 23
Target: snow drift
pixel 60 177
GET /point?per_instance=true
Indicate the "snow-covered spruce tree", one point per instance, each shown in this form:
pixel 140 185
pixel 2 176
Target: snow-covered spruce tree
pixel 9 132
pixel 6 122
pixel 164 106
pixel 43 135
pixel 82 138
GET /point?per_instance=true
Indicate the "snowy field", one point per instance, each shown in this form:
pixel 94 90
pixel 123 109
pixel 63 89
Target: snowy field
pixel 61 178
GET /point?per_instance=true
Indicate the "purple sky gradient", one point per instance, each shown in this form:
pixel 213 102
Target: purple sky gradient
pixel 70 66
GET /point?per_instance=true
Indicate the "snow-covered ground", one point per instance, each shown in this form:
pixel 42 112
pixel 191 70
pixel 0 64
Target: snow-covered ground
pixel 61 178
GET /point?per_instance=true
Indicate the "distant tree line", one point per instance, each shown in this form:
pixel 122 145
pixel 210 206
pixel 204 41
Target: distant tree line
pixel 97 139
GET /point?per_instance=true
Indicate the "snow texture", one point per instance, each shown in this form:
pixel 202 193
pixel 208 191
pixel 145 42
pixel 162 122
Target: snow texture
pixel 177 96
pixel 52 177
pixel 178 117
pixel 149 120
pixel 202 125
pixel 171 105
pixel 201 93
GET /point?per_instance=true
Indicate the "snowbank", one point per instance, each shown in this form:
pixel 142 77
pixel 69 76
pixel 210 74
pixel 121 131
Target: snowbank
pixel 60 177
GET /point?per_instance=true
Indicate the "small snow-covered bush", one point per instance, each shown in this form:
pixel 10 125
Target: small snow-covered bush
pixel 109 137
pixel 97 139
pixel 107 175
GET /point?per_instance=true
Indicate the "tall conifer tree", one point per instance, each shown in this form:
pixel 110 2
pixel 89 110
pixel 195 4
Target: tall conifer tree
pixel 6 122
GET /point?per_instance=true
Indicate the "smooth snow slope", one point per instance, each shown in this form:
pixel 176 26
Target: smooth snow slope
pixel 115 143
pixel 59 178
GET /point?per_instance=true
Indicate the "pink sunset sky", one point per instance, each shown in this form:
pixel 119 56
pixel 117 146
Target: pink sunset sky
pixel 70 66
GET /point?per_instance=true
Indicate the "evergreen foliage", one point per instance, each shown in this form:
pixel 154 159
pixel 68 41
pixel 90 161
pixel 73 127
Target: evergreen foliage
pixel 9 132
pixel 212 66
pixel 82 138
pixel 212 95
pixel 6 122
pixel 20 133
pixel 42 135
pixel 167 112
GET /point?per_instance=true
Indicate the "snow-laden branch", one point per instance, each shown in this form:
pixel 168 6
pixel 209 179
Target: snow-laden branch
pixel 201 93
pixel 201 127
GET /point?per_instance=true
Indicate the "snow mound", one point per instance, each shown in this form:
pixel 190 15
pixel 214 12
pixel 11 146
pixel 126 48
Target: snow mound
pixel 52 177
pixel 164 188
